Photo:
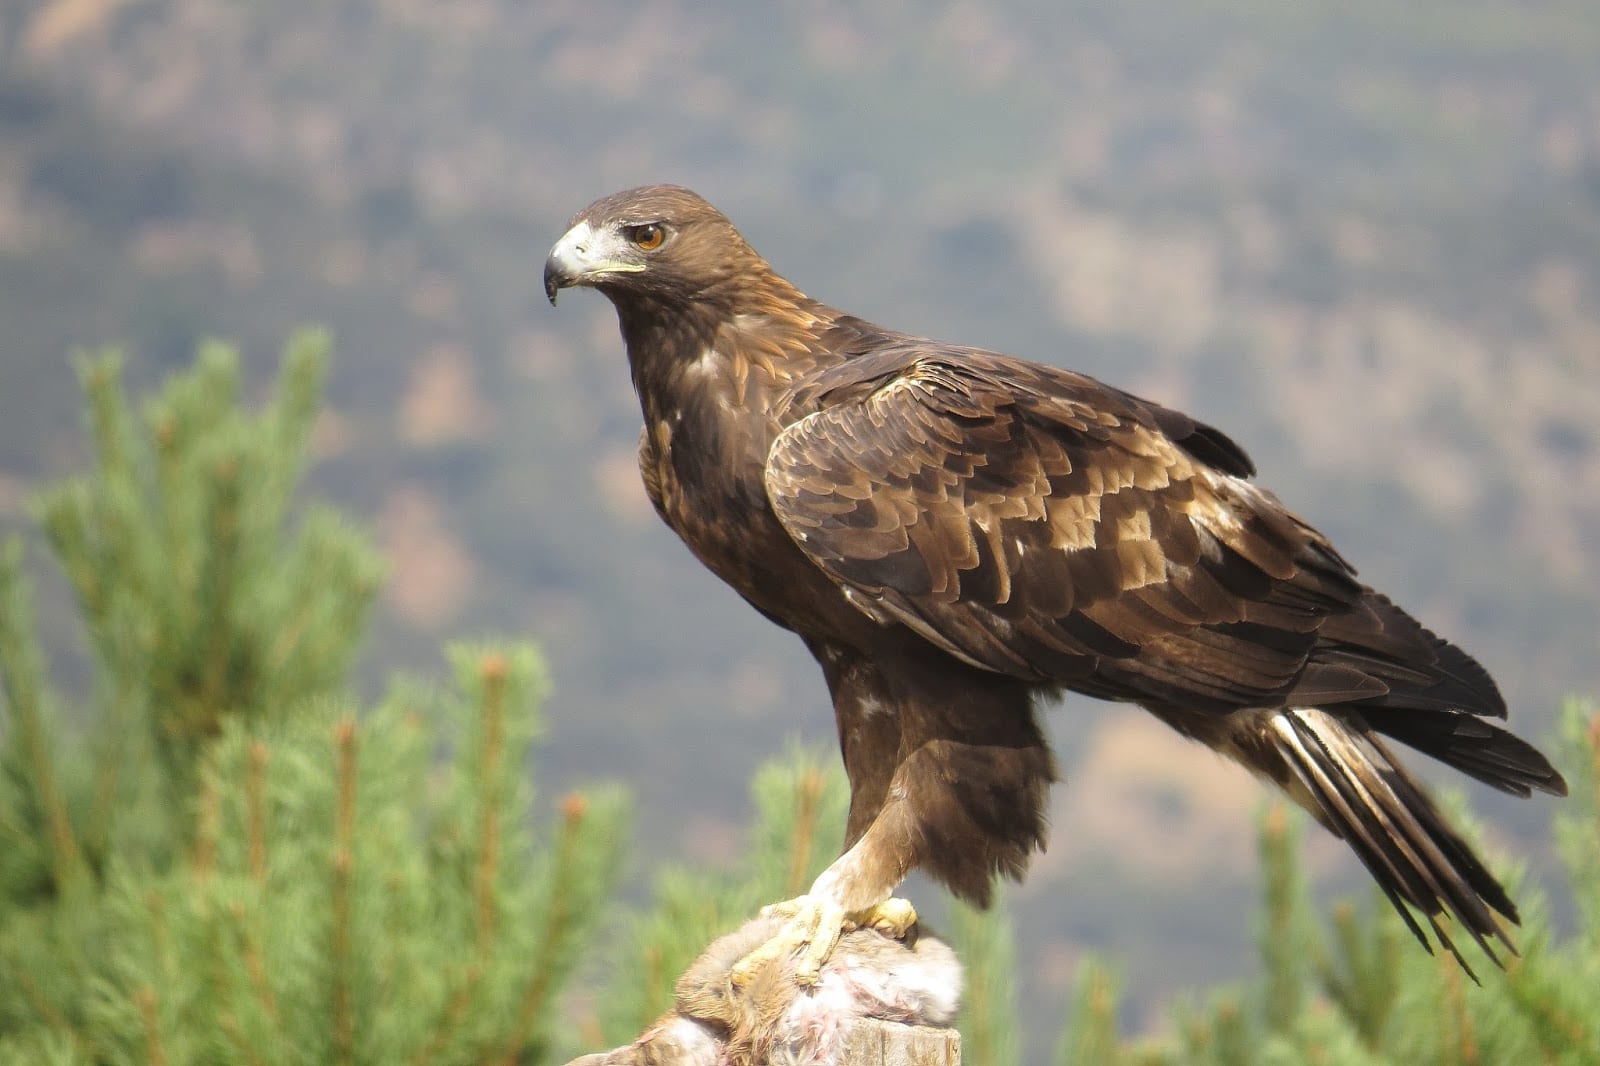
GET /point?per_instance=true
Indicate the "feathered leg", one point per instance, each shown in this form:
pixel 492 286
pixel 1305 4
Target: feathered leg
pixel 946 776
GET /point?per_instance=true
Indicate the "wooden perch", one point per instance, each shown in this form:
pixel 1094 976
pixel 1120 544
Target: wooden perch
pixel 873 1042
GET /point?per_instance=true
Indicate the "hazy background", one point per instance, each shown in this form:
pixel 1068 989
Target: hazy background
pixel 1361 236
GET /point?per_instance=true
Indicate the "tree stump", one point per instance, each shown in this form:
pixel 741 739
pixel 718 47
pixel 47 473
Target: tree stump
pixel 878 1043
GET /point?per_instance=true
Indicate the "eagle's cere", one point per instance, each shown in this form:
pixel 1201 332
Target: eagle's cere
pixel 958 534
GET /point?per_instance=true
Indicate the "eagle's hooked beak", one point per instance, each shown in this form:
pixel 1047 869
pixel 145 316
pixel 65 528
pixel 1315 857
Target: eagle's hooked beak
pixel 583 256
pixel 554 279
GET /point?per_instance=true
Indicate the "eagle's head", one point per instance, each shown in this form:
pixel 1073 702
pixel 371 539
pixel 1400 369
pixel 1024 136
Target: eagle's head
pixel 657 241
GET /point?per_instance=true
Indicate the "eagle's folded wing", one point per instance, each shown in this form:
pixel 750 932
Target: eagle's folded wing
pixel 1036 523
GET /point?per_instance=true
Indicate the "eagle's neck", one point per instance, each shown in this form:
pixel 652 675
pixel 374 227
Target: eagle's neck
pixel 724 352
pixel 661 336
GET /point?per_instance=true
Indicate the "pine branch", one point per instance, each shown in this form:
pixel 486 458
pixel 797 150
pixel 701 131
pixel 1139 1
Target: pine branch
pixel 1560 1017
pixel 256 966
pixel 288 424
pixel 205 838
pixel 344 736
pixel 1091 1038
pixel 200 711
pixel 1231 1038
pixel 150 1012
pixel 460 1000
pixel 492 669
pixel 53 1017
pixel 1458 1020
pixel 1364 983
pixel 113 523
pixel 255 797
pixel 160 936
pixel 985 943
pixel 22 672
pixel 243 1050
pixel 1285 944
pixel 557 930
pixel 800 803
pixel 1578 823
pixel 808 798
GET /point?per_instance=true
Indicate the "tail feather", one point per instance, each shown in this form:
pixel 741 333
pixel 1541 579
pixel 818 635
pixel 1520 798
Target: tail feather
pixel 1362 793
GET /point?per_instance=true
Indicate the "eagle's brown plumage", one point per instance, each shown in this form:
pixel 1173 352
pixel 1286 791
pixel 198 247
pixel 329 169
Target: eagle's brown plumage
pixel 956 533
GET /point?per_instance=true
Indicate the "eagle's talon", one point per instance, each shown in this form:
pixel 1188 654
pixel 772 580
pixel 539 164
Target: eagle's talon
pixel 895 918
pixel 811 929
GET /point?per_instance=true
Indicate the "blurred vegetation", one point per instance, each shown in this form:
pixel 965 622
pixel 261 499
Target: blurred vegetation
pixel 226 860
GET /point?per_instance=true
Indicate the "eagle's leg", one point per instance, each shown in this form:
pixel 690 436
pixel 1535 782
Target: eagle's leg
pixel 948 772
pixel 934 815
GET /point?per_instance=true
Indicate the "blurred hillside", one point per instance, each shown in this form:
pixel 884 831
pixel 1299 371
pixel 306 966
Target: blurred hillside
pixel 1364 238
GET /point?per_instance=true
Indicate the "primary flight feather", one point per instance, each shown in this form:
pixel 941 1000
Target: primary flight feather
pixel 956 534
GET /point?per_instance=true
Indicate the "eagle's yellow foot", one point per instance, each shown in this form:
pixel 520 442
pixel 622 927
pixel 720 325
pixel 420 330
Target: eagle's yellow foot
pixel 812 926
pixel 811 930
pixel 895 918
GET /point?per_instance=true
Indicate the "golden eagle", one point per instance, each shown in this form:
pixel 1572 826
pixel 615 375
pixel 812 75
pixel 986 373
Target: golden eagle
pixel 957 534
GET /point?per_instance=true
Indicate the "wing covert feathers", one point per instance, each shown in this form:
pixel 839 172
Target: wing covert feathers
pixel 1036 523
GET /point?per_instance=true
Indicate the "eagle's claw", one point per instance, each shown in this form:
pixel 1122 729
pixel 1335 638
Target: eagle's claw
pixel 811 930
pixel 812 926
pixel 895 918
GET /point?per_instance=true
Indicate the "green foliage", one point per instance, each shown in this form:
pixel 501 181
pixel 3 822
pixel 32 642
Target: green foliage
pixel 1091 1034
pixel 986 945
pixel 196 596
pixel 1578 830
pixel 39 849
pixel 200 604
pixel 231 864
pixel 1283 921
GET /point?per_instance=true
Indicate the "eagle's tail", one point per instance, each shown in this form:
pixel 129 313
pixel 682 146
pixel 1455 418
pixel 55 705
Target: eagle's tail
pixel 1349 779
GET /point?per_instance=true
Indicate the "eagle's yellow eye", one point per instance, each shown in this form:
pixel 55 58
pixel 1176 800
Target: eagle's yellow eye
pixel 647 237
